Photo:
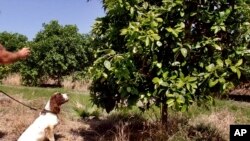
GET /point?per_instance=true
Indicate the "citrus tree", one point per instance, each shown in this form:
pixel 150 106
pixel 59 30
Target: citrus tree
pixel 57 51
pixel 168 53
pixel 13 41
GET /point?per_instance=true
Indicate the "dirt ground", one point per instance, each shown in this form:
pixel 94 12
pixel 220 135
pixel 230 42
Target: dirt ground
pixel 15 118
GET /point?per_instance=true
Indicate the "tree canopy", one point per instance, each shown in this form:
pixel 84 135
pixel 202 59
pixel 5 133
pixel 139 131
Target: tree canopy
pixel 168 52
pixel 13 41
pixel 57 51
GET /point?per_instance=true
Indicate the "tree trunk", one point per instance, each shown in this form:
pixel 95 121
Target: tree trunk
pixel 164 116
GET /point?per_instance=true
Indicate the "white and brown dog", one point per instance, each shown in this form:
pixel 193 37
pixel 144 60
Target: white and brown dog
pixel 43 127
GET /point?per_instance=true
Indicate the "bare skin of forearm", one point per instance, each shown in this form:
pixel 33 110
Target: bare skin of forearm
pixel 7 57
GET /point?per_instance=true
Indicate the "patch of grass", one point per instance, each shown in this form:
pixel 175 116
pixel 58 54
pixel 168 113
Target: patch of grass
pixel 43 94
pixel 203 132
pixel 37 92
pixel 219 120
pixel 86 111
pixel 239 109
pixel 30 92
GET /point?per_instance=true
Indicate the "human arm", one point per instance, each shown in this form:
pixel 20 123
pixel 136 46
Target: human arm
pixel 7 57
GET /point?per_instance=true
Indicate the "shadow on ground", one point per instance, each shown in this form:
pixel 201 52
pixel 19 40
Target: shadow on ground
pixel 135 128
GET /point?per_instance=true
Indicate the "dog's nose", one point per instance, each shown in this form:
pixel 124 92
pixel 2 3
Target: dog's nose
pixel 65 96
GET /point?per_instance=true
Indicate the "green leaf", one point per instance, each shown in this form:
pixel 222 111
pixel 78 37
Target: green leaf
pixel 145 5
pixel 217 47
pixel 147 41
pixel 128 89
pixel 158 43
pixel 234 69
pixel 194 86
pixel 222 80
pixel 246 23
pixel 181 25
pixel 111 52
pixel 124 32
pixel 156 80
pixel 156 37
pixel 170 95
pixel 192 79
pixel 154 24
pixel 149 94
pixel 159 20
pixel 171 30
pixel 173 77
pixel 182 14
pixel 182 76
pixel 180 99
pixel 135 50
pixel 179 44
pixel 219 62
pixel 222 13
pixel 223 27
pixel 207 75
pixel 180 84
pixel 224 74
pixel 216 39
pixel 175 49
pixel 132 10
pixel 105 75
pixel 193 14
pixel 188 86
pixel 184 108
pixel 165 75
pixel 210 67
pixel 188 45
pixel 107 64
pixel 215 28
pixel 238 73
pixel 212 82
pixel 201 64
pixel 184 52
pixel 228 62
pixel 239 63
pixel 165 84
pixel 170 102
pixel 159 65
pixel 198 45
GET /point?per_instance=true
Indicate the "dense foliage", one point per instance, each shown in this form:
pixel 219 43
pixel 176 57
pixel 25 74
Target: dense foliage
pixel 57 51
pixel 168 52
pixel 13 41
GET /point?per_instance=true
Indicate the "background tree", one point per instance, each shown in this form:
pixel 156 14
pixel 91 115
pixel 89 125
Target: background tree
pixel 168 53
pixel 57 51
pixel 89 57
pixel 13 41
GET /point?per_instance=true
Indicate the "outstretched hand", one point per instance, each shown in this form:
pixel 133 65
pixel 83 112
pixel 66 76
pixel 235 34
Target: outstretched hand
pixel 24 52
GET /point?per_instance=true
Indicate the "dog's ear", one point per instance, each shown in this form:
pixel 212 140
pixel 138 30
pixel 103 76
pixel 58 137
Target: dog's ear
pixel 55 109
pixel 54 104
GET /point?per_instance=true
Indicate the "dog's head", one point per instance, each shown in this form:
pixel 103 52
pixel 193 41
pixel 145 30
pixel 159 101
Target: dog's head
pixel 57 100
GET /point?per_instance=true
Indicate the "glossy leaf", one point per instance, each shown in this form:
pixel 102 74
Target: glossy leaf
pixel 212 83
pixel 107 64
pixel 184 52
